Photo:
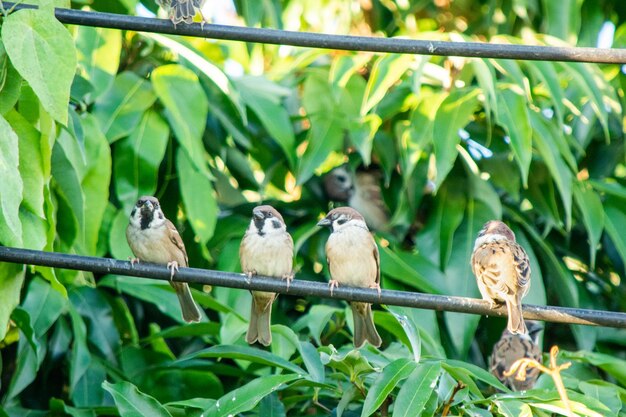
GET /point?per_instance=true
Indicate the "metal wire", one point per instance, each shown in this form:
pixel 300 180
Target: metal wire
pixel 343 42
pixel 299 287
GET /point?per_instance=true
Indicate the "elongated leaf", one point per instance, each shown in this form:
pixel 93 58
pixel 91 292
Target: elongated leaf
pixel 249 354
pixel 198 197
pixel 11 281
pixel 98 55
pixel 271 406
pixel 563 19
pixel 95 182
pixel 590 205
pixel 186 108
pixel 385 382
pixel 137 159
pixel 615 219
pixel 248 396
pixel 261 96
pixel 11 187
pixel 131 402
pixel 454 113
pixel 412 269
pixel 386 71
pixel 514 118
pixel 417 389
pixel 546 73
pixel 43 52
pixel 544 139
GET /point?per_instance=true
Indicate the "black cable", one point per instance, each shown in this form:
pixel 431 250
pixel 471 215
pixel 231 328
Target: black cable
pixel 343 42
pixel 309 288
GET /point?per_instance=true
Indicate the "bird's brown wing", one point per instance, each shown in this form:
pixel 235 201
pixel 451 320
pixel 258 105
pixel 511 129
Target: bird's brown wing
pixel 176 240
pixel 377 259
pixel 522 265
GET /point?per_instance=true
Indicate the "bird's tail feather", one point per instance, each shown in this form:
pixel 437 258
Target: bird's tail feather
pixel 191 312
pixel 515 324
pixel 364 328
pixel 260 322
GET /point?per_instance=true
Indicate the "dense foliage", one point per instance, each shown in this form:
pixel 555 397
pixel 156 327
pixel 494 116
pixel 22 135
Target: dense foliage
pixel 213 128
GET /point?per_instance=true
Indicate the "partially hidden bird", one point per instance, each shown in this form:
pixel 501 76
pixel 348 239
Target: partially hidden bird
pixel 353 259
pixel 153 238
pixel 266 249
pixel 502 271
pixel 182 10
pixel 512 347
pixel 362 192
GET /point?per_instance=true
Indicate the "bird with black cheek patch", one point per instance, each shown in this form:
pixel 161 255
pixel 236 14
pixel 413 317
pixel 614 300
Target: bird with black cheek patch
pixel 512 347
pixel 502 271
pixel 353 259
pixel 266 249
pixel 153 238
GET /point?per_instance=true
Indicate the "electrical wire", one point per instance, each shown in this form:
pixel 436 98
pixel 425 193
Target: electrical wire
pixel 341 42
pixel 308 288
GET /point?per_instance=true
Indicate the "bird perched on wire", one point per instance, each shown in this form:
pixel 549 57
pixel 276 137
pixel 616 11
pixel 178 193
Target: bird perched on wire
pixel 502 271
pixel 153 238
pixel 266 249
pixel 362 192
pixel 353 259
pixel 512 347
pixel 182 10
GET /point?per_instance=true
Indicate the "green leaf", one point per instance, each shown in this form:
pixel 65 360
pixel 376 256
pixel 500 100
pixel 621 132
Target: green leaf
pixel 11 187
pixel 249 354
pixel 31 164
pixel 514 408
pixel 95 182
pixel 590 205
pixel 271 406
pixel 546 73
pixel 43 52
pixel 120 108
pixel 454 113
pixel 80 359
pixel 131 402
pixel 607 395
pixel 10 83
pixel 118 245
pixel 417 389
pixel 264 98
pixel 99 52
pixel 615 219
pixel 385 382
pixel 386 71
pixel 563 19
pixel 11 281
pixel 198 197
pixel 137 159
pixel 248 396
pixel 186 108
pixel 412 269
pixel 514 119
pixel 545 138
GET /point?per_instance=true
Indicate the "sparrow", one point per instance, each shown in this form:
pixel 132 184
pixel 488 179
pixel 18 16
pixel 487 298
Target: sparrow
pixel 512 347
pixel 153 238
pixel 353 259
pixel 362 192
pixel 182 10
pixel 502 271
pixel 266 249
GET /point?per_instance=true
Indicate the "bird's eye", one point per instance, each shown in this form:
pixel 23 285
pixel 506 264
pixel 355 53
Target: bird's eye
pixel 342 220
pixel 269 214
pixel 342 178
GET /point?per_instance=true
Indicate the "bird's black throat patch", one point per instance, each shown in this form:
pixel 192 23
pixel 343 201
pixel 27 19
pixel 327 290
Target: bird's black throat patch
pixel 146 217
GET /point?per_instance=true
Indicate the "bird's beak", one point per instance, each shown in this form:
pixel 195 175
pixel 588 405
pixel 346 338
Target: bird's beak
pixel 325 222
pixel 148 205
pixel 258 214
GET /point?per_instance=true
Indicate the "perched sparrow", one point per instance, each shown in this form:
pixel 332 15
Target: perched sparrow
pixel 266 249
pixel 512 347
pixel 353 260
pixel 153 238
pixel 182 10
pixel 361 192
pixel 502 271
